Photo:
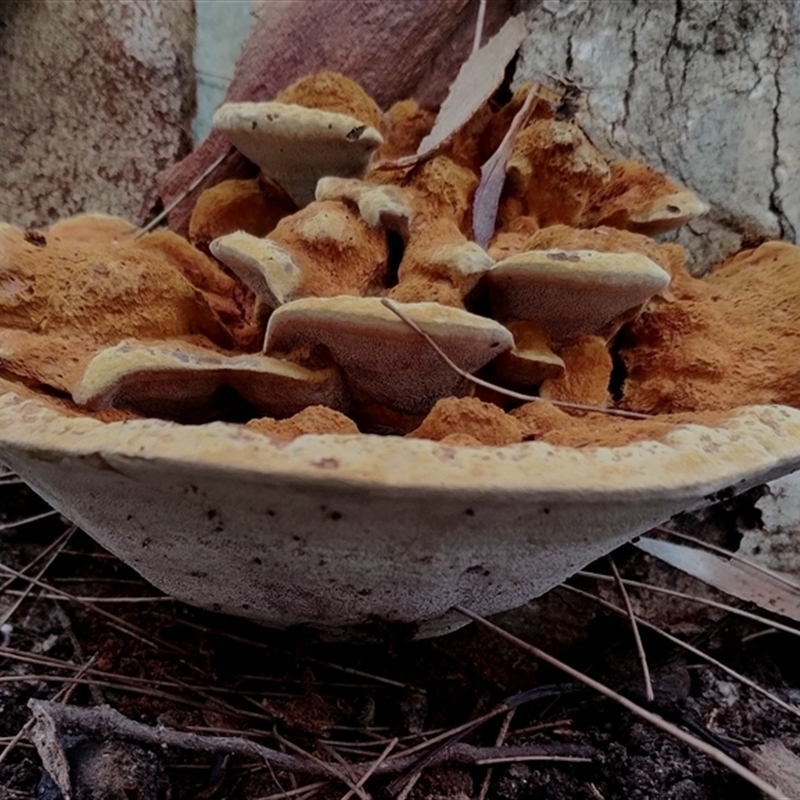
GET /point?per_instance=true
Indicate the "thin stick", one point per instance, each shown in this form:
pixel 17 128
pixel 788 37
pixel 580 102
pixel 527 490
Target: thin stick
pixel 63 695
pixel 691 649
pixel 7 526
pixel 360 673
pixel 125 627
pixel 500 740
pixel 648 683
pixel 56 544
pixel 178 200
pixel 309 788
pixel 412 782
pixel 777 576
pixel 375 764
pixel 514 759
pixel 687 738
pixel 476 43
pixel 54 553
pixel 702 600
pixel 507 392
pixel 329 768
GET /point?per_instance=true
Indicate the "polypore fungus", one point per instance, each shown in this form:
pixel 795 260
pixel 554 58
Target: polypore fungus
pixel 237 205
pixel 530 361
pixel 174 380
pixel 384 360
pixel 573 292
pixel 323 250
pixel 643 200
pixel 296 146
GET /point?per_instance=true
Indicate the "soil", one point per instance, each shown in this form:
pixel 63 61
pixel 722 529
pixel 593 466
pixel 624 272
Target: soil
pixel 343 701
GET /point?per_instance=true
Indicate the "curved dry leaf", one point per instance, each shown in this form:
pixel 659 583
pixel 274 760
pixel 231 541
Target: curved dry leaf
pixel 732 577
pixel 477 80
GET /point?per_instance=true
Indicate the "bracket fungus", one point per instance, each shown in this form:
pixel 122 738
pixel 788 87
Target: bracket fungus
pixel 572 293
pixel 129 366
pixel 402 371
pixel 295 146
pixel 173 380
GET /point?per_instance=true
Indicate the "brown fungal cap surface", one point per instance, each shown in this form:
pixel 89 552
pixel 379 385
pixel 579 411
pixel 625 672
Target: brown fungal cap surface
pixel 384 359
pixel 485 423
pixel 173 380
pixel 573 292
pixel 314 419
pixel 643 200
pixel 296 146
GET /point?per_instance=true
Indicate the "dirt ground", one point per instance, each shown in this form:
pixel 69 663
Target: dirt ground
pixel 160 662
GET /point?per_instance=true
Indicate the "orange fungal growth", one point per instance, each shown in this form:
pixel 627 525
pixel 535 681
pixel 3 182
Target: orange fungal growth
pixel 468 416
pixel 586 377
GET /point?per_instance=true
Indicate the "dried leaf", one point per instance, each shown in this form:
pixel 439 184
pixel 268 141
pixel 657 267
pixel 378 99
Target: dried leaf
pixel 493 175
pixel 477 80
pixel 732 577
pixel 45 737
pixel 776 764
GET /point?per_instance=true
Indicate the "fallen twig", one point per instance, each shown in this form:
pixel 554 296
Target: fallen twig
pixel 105 722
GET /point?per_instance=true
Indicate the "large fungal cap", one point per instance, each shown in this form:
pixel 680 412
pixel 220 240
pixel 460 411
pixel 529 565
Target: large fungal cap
pixel 641 199
pixel 174 380
pixel 571 293
pixel 296 146
pixel 383 358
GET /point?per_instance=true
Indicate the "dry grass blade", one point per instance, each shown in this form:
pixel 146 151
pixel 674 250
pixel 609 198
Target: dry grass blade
pixel 739 612
pixel 515 759
pixel 180 198
pixel 493 175
pixel 736 579
pixel 300 791
pixel 691 649
pixel 121 624
pixel 375 764
pixel 500 740
pixel 7 526
pixel 780 577
pixel 507 392
pixel 667 727
pixel 648 683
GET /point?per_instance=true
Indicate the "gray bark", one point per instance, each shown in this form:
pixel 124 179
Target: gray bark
pixel 705 90
pixel 96 97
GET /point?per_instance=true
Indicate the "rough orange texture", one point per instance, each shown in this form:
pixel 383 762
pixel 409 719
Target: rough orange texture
pixel 468 415
pixel 512 238
pixel 405 126
pixel 336 250
pixel 442 188
pixel 82 286
pixel 547 423
pixel 430 266
pixel 632 189
pixel 236 205
pixel 555 169
pixel 331 91
pixel 586 377
pixel 314 419
pixel 725 341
